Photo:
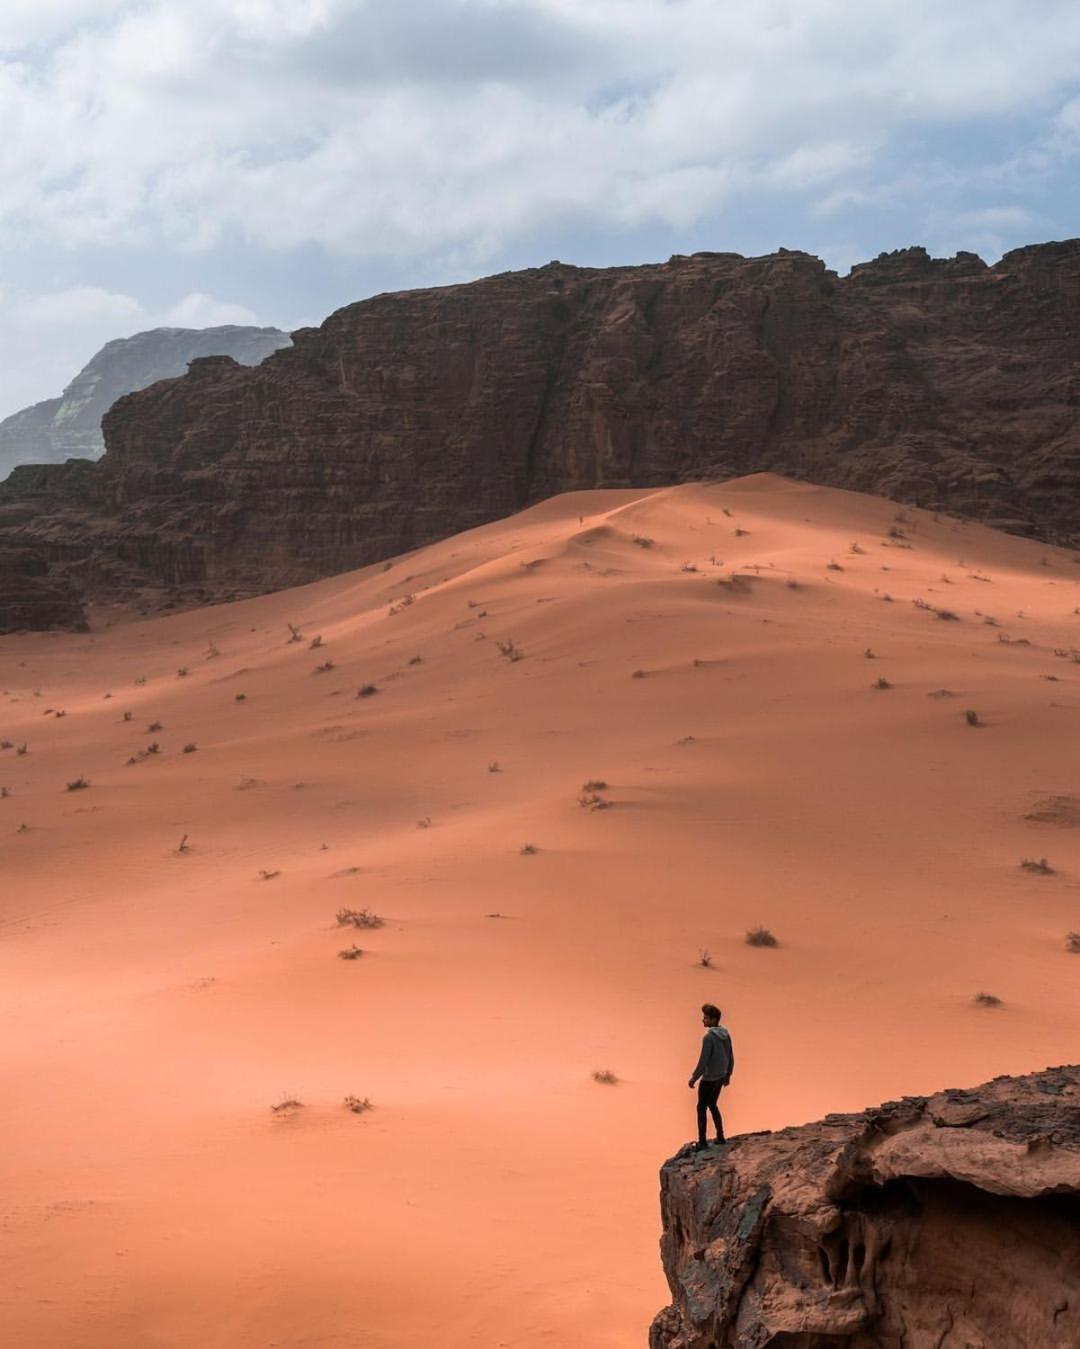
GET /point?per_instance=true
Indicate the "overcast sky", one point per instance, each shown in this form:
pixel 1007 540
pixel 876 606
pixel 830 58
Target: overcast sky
pixel 266 161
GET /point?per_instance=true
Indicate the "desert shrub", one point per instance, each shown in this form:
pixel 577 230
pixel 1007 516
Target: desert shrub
pixel 212 651
pixel 882 683
pixel 295 635
pixel 154 726
pixel 493 766
pixel 190 748
pixel 358 918
pixel 593 801
pixel 286 1104
pixel 704 959
pixel 1072 943
pixel 24 748
pixel 643 541
pixel 351 953
pixel 183 672
pixel 416 660
pixel 741 533
pixel 528 850
pixel 857 548
pixel 594 785
pixel 358 1105
pixel 986 1000
pixel 760 936
pixel 324 668
pixel 870 653
pixel 366 691
pixel 265 875
pixel 688 566
pixel 241 698
pixel 510 650
pixel 640 674
pixel 605 1077
pixel 972 717
pixel 78 784
pixel 5 792
pixel 315 643
pixel 1039 865
pixel 424 822
pixel 947 615
pixel 833 566
pixel 792 583
pixel 127 716
pixel 7 744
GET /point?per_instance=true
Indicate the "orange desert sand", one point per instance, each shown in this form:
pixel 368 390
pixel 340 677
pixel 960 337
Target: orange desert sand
pixel 699 649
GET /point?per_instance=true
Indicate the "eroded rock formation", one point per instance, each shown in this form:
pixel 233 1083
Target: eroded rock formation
pixel 408 417
pixel 926 1223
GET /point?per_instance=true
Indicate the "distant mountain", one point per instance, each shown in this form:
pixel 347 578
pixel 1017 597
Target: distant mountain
pixel 69 427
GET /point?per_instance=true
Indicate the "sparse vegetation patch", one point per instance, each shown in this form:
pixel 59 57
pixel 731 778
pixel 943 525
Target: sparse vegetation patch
pixel 760 936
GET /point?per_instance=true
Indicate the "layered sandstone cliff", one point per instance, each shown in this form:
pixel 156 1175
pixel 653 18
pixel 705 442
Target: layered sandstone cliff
pixel 928 1222
pixel 408 417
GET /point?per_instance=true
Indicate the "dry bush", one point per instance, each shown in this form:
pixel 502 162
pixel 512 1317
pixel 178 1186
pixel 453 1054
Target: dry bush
pixel 286 1104
pixel 127 716
pixel 792 583
pixel 972 717
pixel 528 850
pixel 324 668
pixel 593 801
pixel 183 846
pixel 265 875
pixel 154 726
pixel 760 936
pixel 315 643
pixel 295 635
pixel 1039 865
pixel 857 548
pixel 640 674
pixel 643 541
pixel 1072 943
pixel 7 744
pixel 870 653
pixel 241 698
pixel 510 650
pixel 882 683
pixel 366 691
pixel 416 660
pixel 183 672
pixel 688 566
pixel 833 566
pixel 358 918
pixel 351 953
pixel 24 748
pixel 424 822
pixel 704 959
pixel 895 533
pixel 190 748
pixel 5 792
pixel 986 1000
pixel 78 784
pixel 605 1076
pixel 493 766
pixel 359 1105
pixel 947 615
pixel 594 785
pixel 741 533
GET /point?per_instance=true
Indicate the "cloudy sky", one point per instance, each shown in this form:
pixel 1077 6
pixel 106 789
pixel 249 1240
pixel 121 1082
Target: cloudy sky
pixel 204 161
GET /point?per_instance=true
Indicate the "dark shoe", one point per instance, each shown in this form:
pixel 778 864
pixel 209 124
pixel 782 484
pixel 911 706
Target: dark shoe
pixel 700 1147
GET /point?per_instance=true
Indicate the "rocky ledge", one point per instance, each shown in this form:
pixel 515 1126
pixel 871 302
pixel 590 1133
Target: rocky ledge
pixel 929 1222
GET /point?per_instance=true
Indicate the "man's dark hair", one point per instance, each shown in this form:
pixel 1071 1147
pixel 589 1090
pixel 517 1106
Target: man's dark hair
pixel 710 1010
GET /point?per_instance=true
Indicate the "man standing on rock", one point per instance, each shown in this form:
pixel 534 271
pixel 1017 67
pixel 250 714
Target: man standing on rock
pixel 714 1068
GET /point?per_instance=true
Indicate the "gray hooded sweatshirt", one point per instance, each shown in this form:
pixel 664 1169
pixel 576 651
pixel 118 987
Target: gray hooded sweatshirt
pixel 717 1061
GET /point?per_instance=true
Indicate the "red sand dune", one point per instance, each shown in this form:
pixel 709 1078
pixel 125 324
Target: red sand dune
pixel 156 1004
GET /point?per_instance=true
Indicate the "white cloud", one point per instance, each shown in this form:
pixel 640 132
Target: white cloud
pixel 76 307
pixel 203 311
pixel 381 128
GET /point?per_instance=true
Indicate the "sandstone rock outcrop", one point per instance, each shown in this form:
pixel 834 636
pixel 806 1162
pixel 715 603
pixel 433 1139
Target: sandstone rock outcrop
pixel 947 1220
pixel 407 417
pixel 69 427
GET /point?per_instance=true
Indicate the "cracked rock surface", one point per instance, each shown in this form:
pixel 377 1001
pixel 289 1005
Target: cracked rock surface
pixel 943 1222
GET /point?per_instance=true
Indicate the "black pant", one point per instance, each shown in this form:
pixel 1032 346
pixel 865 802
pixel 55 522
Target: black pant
pixel 708 1093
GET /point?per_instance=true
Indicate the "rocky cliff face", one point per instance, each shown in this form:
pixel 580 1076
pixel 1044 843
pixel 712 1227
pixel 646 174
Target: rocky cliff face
pixel 408 417
pixel 69 427
pixel 947 1220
